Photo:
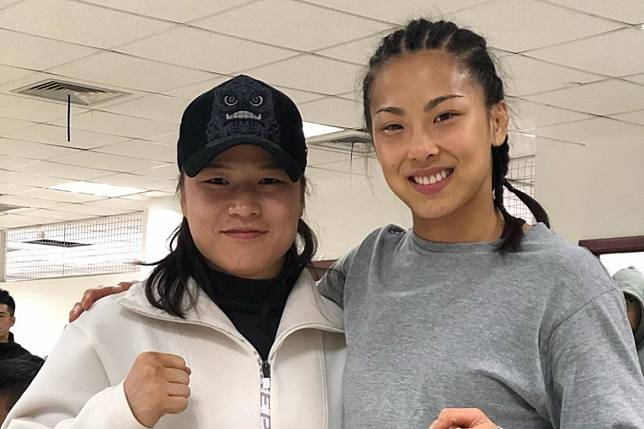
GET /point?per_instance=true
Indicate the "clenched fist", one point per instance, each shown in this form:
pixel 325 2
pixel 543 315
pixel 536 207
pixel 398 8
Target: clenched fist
pixel 157 385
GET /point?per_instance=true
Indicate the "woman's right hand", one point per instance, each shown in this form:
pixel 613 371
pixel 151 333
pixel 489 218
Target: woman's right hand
pixel 157 385
pixel 90 296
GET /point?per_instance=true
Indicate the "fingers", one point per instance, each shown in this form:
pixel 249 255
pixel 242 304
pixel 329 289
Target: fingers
pixel 75 312
pixel 451 418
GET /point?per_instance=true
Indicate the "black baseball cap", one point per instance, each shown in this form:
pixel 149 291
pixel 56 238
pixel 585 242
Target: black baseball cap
pixel 239 111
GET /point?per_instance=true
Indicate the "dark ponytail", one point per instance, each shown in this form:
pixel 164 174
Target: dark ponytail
pixel 471 49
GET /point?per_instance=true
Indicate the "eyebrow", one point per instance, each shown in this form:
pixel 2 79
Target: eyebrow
pixel 431 104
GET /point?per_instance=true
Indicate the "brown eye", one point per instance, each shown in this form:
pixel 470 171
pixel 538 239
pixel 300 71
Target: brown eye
pixel 444 116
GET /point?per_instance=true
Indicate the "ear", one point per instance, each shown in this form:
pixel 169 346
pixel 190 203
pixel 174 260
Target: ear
pixel 12 321
pixel 499 119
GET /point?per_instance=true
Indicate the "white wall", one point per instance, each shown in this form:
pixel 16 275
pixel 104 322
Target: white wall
pixel 42 307
pixel 594 190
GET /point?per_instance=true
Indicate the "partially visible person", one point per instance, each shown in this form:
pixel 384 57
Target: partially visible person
pixel 9 349
pixel 631 281
pixel 15 376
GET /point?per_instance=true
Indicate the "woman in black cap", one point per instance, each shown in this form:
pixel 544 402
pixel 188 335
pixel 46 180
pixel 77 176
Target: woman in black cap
pixel 229 330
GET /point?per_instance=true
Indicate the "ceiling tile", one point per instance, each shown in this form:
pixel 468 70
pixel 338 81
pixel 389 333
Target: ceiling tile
pixel 402 12
pixel 17 221
pixel 331 77
pixel 141 182
pixel 192 47
pixel 158 107
pixel 78 22
pixel 333 111
pixel 107 162
pixel 57 135
pixel 146 196
pixel 291 24
pixel 37 53
pixel 632 117
pixel 171 10
pixel 118 125
pixel 600 98
pixel 25 201
pixel 33 150
pixel 142 149
pixel 593 131
pixel 170 138
pixel 168 171
pixel 31 109
pixel 28 179
pixel 8 125
pixel 521 25
pixel 118 203
pixel 54 214
pixel 111 68
pixel 64 196
pixel 629 11
pixel 525 115
pixel 63 171
pixel 193 91
pixel 610 54
pixel 8 74
pixel 14 189
pixel 358 51
pixel 86 210
pixel 12 162
pixel 526 75
pixel 636 78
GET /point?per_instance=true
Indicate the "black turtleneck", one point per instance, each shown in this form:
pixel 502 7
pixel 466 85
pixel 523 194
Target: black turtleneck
pixel 254 306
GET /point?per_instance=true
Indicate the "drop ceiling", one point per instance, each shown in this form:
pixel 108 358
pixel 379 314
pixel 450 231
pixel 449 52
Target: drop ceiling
pixel 575 76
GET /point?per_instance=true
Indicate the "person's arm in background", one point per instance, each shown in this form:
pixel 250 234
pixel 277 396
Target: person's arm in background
pixel 90 296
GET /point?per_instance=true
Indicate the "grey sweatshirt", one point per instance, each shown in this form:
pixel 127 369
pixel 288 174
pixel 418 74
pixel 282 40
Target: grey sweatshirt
pixel 536 338
pixel 631 281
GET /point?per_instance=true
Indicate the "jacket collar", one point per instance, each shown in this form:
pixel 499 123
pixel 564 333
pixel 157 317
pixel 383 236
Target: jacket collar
pixel 305 308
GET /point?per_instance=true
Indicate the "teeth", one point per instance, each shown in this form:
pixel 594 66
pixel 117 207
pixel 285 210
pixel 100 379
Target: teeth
pixel 431 179
pixel 243 114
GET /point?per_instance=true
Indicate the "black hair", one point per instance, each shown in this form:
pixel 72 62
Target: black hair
pixel 167 284
pixel 471 50
pixel 15 376
pixel 5 298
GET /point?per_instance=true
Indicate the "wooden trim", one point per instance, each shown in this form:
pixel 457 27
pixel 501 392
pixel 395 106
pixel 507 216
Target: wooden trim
pixel 614 245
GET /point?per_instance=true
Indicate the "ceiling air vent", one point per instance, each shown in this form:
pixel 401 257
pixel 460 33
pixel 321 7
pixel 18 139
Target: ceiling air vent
pixel 350 141
pixel 81 94
pixel 56 243
pixel 8 207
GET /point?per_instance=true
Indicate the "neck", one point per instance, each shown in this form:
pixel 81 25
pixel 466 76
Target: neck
pixel 477 222
pixel 4 338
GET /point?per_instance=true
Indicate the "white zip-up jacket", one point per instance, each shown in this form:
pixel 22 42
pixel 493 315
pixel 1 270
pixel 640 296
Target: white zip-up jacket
pixel 81 384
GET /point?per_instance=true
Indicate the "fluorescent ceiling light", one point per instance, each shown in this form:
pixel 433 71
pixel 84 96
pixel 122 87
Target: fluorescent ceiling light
pixel 311 129
pixel 96 189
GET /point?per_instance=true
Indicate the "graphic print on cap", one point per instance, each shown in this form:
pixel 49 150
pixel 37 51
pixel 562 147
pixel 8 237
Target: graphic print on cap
pixel 243 106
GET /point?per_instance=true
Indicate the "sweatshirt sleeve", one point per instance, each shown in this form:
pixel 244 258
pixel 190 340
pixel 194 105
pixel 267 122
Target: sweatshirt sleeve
pixel 72 391
pixel 594 375
pixel 331 285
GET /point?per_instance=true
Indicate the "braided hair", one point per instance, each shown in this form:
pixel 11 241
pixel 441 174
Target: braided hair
pixel 471 51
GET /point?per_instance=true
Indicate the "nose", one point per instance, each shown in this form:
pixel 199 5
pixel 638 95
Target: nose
pixel 422 146
pixel 244 205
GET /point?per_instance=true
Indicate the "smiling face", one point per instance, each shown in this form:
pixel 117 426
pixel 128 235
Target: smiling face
pixel 433 135
pixel 243 212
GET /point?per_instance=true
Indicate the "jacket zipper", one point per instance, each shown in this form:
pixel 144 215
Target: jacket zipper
pixel 265 395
